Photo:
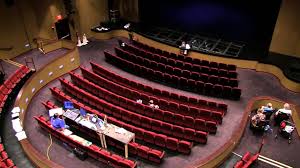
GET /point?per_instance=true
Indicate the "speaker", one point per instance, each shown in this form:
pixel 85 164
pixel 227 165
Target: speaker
pixel 82 155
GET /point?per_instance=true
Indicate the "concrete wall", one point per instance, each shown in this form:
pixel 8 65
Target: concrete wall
pixel 286 36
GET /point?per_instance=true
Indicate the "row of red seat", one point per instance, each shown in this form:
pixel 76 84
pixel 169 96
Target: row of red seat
pixel 179 110
pixel 92 150
pixel 161 62
pixel 154 118
pixel 134 148
pixel 6 90
pixel 140 133
pixel 200 87
pixel 203 74
pixel 8 86
pixel 5 162
pixel 163 94
pixel 183 58
pixel 247 160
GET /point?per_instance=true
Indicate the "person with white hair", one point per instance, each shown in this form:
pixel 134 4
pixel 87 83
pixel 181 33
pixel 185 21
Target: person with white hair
pixel 283 114
pixel 286 110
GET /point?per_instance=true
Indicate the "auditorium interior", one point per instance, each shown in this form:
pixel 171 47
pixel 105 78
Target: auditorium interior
pixel 144 84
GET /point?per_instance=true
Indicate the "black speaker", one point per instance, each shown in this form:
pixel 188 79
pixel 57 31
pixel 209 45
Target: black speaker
pixel 82 155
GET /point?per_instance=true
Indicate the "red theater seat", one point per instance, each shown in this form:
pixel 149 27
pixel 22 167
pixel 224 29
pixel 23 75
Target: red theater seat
pixel 200 124
pixel 132 148
pixel 156 125
pixel 172 143
pixel 149 137
pixel 178 119
pixel 142 152
pixel 178 131
pixel 185 147
pixel 189 134
pixel 189 122
pixel 160 140
pixel 201 137
pixel 156 155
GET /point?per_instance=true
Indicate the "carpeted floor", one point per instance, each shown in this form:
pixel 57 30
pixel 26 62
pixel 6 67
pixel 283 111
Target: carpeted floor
pixel 252 83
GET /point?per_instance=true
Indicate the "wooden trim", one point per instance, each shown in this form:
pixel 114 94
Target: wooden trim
pixel 27 93
pixel 274 70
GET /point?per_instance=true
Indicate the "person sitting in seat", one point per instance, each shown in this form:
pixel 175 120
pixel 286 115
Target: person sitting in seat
pixel 140 101
pixel 258 118
pixel 151 103
pixel 268 108
pixel 58 122
pixel 286 110
pixel 283 113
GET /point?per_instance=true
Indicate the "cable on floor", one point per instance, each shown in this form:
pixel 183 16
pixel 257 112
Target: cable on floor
pixel 48 149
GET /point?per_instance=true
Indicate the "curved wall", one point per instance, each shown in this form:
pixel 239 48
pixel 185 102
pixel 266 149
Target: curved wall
pixel 41 78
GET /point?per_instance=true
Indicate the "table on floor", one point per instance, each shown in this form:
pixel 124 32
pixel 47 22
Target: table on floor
pixel 110 130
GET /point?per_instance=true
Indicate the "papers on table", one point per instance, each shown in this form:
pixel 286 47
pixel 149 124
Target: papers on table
pixel 88 124
pixel 59 111
pixel 71 114
pixel 21 135
pixel 16 110
pixel 120 130
pixel 80 140
pixel 67 132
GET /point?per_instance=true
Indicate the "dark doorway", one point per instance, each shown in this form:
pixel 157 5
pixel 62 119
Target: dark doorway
pixel 63 29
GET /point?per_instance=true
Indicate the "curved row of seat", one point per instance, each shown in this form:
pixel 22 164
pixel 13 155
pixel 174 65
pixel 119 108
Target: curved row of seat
pixel 5 162
pixel 210 69
pixel 163 94
pixel 154 116
pixel 11 85
pixel 7 90
pixel 209 89
pixel 140 133
pixel 92 150
pixel 134 148
pixel 203 74
pixel 179 111
pixel 183 58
